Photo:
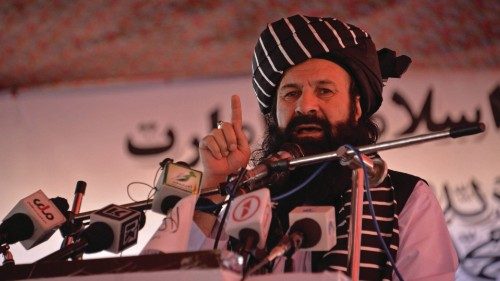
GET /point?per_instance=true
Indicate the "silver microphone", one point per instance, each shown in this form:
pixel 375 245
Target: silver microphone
pixel 266 172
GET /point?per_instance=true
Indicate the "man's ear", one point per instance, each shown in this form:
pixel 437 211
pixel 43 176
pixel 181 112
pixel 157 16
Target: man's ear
pixel 359 111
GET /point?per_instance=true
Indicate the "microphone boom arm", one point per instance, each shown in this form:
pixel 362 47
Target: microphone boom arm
pixel 368 149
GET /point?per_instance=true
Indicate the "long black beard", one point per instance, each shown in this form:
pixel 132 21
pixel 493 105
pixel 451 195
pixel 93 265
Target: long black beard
pixel 329 186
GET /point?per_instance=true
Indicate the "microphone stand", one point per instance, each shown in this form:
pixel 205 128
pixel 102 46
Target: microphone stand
pixel 356 224
pixel 71 250
pixel 377 171
pixel 75 210
pixel 8 258
pixel 144 204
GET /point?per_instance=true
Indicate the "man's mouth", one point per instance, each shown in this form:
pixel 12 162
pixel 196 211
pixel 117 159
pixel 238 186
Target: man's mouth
pixel 308 130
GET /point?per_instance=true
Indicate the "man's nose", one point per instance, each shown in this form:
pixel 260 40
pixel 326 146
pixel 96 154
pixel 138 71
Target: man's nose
pixel 307 104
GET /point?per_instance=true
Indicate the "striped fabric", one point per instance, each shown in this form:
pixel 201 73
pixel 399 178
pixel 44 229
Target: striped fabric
pixel 290 41
pixel 374 263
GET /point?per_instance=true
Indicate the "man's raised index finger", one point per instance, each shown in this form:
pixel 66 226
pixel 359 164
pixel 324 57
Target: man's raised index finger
pixel 236 116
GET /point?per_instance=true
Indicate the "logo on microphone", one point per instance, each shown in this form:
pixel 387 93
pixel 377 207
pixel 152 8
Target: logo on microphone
pixel 115 212
pixel 44 208
pixel 182 178
pixel 129 231
pixel 246 208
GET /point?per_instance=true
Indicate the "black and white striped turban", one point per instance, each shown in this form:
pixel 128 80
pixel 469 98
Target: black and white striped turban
pixel 290 41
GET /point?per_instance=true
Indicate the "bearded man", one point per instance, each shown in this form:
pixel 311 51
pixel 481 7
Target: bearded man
pixel 318 81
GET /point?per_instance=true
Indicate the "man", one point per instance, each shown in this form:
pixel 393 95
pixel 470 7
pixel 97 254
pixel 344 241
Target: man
pixel 318 81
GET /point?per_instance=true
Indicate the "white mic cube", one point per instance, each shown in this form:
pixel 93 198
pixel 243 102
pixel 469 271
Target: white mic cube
pixel 45 215
pixel 123 221
pixel 251 211
pixel 176 180
pixel 325 217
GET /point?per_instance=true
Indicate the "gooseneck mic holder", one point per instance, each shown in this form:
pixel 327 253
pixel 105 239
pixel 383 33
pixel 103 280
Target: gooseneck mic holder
pixel 368 149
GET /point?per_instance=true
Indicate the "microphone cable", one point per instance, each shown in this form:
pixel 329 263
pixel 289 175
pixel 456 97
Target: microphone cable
pixel 301 185
pixel 372 212
pixel 231 191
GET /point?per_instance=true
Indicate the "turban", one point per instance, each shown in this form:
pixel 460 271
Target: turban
pixel 290 41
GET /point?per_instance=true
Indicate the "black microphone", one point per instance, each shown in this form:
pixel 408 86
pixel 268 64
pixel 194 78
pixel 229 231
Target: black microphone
pixel 97 237
pixel 313 229
pixel 16 228
pixel 125 224
pixel 270 171
pixel 73 226
pixel 112 228
pixel 33 220
pixel 317 226
pixel 304 233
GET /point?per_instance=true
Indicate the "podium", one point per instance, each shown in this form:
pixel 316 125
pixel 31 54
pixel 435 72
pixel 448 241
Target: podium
pixel 203 265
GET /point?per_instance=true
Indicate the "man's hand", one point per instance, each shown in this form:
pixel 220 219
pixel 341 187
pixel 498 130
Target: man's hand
pixel 224 150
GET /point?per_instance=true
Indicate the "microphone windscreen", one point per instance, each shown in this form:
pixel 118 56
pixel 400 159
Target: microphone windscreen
pixel 99 237
pixel 80 187
pixel 272 171
pixel 124 224
pixel 16 228
pixel 142 220
pixel 310 229
pixel 168 203
pixel 61 204
pixel 207 206
pixel 317 223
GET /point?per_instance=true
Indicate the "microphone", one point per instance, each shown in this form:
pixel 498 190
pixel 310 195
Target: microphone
pixel 71 226
pixel 177 181
pixel 249 220
pixel 95 238
pixel 112 228
pixel 271 170
pixel 316 224
pixel 313 229
pixel 124 223
pixel 33 220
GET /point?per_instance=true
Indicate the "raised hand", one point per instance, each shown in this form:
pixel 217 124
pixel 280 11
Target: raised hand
pixel 225 149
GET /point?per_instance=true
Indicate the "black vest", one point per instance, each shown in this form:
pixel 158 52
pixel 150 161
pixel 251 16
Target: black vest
pixel 389 198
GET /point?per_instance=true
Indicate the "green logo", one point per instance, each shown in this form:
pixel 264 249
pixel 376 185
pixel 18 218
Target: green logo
pixel 186 177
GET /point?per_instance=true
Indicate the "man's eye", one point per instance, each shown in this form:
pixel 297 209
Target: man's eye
pixel 325 92
pixel 291 95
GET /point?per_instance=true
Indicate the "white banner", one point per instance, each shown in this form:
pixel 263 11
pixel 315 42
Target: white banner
pixel 114 134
